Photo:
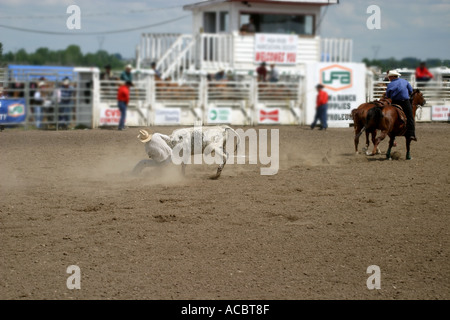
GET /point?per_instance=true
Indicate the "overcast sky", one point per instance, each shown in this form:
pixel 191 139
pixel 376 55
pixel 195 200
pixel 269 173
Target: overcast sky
pixel 409 28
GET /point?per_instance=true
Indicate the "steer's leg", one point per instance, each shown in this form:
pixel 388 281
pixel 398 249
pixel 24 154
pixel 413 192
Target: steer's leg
pixel 183 168
pixel 224 155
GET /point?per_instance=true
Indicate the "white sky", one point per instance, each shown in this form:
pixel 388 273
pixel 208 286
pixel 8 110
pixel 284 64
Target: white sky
pixel 409 28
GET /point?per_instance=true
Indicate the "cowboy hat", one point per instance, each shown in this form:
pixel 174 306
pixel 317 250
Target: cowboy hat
pixel 394 73
pixel 144 136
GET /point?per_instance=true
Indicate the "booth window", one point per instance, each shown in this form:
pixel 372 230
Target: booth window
pixel 223 22
pixel 281 23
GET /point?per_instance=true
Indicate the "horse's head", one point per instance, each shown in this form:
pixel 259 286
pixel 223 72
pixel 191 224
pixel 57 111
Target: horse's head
pixel 417 98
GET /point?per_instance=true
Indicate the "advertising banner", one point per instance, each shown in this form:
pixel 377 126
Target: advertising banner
pixel 12 111
pixel 219 115
pixel 440 113
pixel 269 115
pixel 168 116
pixel 276 48
pixel 345 85
pixel 109 116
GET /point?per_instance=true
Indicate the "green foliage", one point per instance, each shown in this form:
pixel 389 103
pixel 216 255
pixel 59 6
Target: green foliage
pixel 71 56
pixel 408 62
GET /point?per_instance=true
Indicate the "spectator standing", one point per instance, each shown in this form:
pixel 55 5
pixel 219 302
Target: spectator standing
pixel 261 72
pixel 321 108
pixel 126 74
pixel 107 75
pixel 2 93
pixel 65 104
pixel 40 98
pixel 123 98
pixel 156 71
pixel 273 74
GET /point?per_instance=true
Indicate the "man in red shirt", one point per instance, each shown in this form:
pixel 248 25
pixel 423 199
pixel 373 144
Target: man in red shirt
pixel 123 98
pixel 422 73
pixel 321 108
pixel 261 72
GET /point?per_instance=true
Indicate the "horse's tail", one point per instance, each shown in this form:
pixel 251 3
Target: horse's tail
pixel 353 113
pixel 360 133
pixel 373 117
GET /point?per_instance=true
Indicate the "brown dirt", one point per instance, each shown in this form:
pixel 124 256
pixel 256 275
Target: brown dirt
pixel 308 232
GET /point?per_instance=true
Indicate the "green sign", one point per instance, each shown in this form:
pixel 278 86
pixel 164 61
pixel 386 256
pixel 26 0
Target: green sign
pixel 219 115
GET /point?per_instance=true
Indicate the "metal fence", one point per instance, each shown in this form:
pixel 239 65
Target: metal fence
pixel 435 93
pixel 199 92
pixel 50 104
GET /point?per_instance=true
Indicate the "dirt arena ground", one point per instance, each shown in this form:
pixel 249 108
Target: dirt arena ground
pixel 308 232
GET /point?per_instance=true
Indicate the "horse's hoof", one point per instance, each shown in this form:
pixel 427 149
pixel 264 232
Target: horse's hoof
pixel 378 151
pixel 390 159
pixel 369 154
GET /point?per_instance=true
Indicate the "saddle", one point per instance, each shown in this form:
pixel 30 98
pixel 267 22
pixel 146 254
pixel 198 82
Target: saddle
pixel 400 114
pixel 382 102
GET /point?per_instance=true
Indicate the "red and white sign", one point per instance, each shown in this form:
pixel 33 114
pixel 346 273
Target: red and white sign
pixel 276 48
pixel 271 115
pixel 440 113
pixel 109 116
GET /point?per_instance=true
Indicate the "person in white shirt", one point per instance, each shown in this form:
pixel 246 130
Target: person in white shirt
pixel 273 73
pixel 158 149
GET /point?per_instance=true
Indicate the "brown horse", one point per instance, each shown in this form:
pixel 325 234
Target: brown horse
pixel 359 119
pixel 391 121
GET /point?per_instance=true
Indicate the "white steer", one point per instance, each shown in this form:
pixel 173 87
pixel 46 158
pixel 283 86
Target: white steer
pixel 210 143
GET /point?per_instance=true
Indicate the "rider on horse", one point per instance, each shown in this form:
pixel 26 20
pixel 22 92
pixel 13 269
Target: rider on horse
pixel 400 90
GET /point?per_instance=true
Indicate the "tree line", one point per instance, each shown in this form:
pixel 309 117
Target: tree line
pixel 409 63
pixel 71 56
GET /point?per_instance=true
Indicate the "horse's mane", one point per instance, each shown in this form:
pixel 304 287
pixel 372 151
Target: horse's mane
pixel 413 93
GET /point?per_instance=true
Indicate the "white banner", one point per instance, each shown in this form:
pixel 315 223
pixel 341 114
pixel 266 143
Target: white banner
pixel 109 116
pixel 276 48
pixel 440 113
pixel 345 85
pixel 168 116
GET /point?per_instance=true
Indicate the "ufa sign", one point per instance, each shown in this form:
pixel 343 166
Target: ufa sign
pixel 336 77
pixel 345 85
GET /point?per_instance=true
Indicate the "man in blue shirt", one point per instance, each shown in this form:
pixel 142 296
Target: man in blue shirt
pixel 399 90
